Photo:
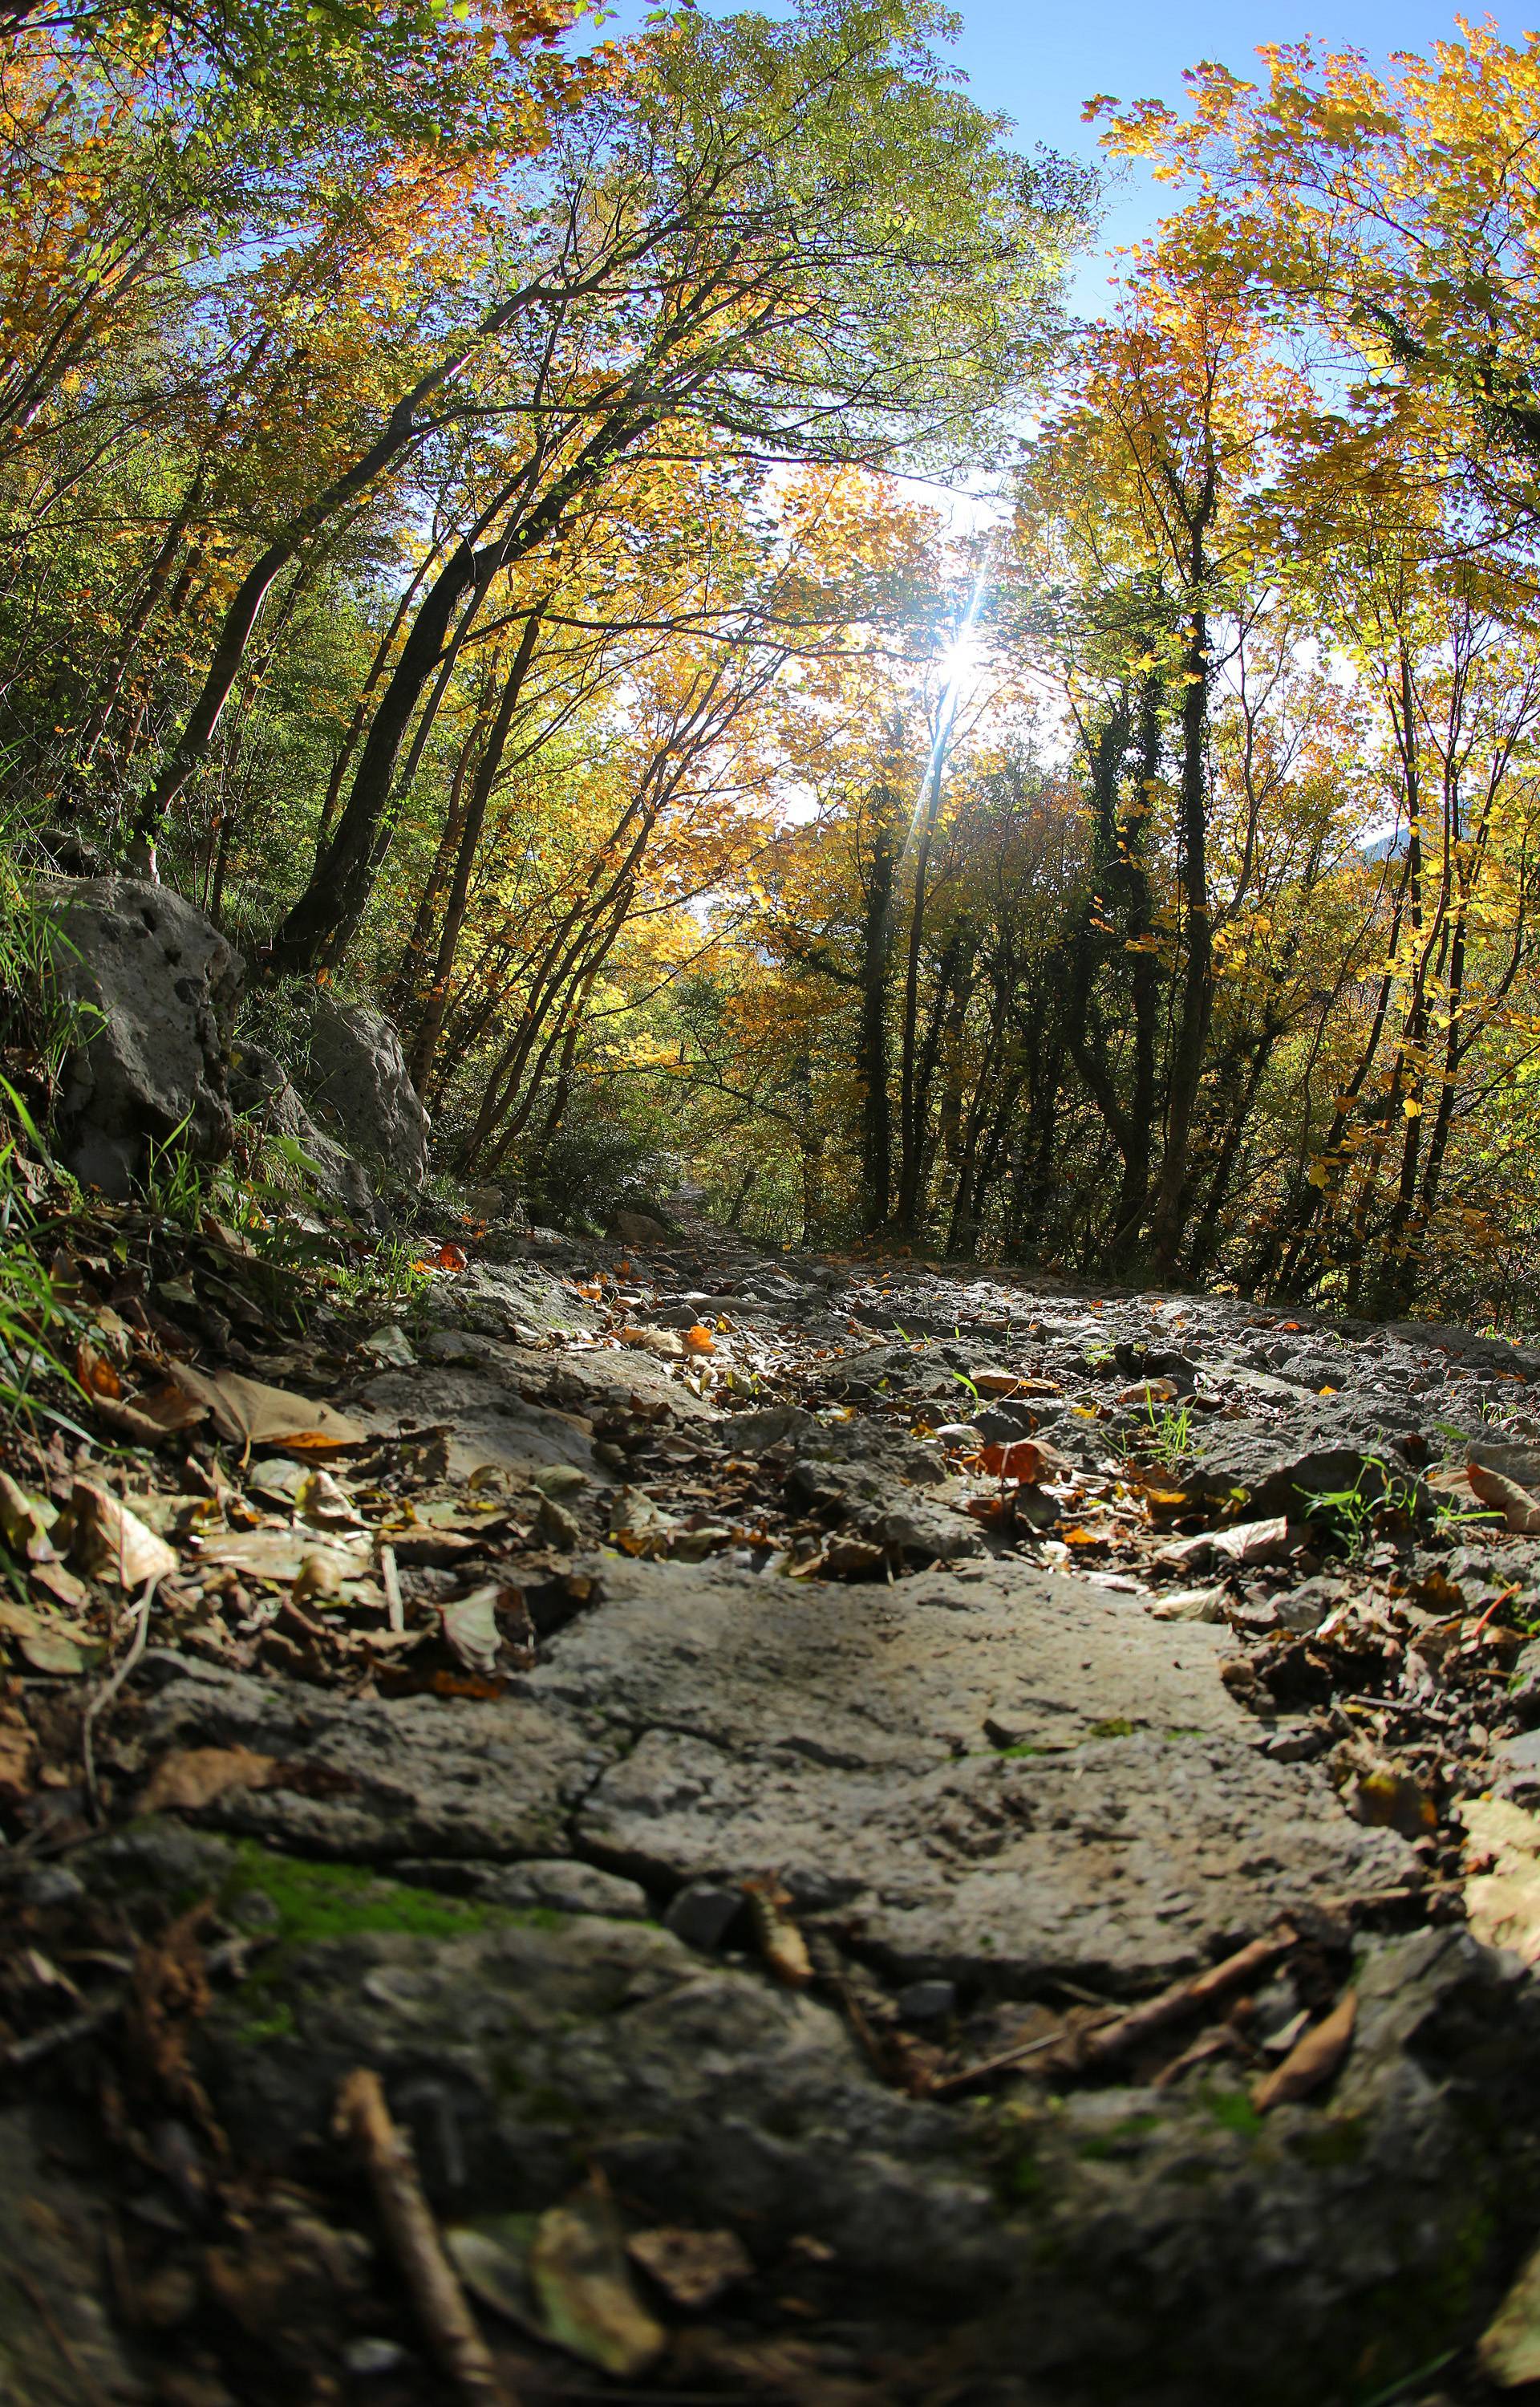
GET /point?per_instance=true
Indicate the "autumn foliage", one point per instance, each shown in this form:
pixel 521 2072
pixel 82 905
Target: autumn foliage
pixel 461 528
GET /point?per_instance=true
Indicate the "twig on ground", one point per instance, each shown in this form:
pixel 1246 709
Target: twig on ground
pixel 391 1581
pixel 451 2330
pixel 92 2388
pixel 1099 2043
pixel 110 1688
pixel 21 2053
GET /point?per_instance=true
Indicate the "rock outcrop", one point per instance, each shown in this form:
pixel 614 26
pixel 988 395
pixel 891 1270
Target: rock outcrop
pixel 157 985
pixel 357 1076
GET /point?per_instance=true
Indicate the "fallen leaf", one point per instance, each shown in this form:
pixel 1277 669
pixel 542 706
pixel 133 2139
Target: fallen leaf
pixel 691 2267
pixel 1148 1391
pixel 1254 1542
pixel 638 1526
pixel 450 1257
pixel 470 1625
pixel 698 1340
pixel 26 1522
pixel 582 2288
pixel 280 1554
pixel 108 1542
pixel 661 1342
pixel 1521 1511
pixel 992 1382
pixel 18 1758
pixel 486 1624
pixel 390 1346
pixel 43 1642
pixel 325 1503
pixel 196 1775
pixel 96 1374
pixel 60 1585
pixel 1385 1798
pixel 1312 2061
pixel 491 2257
pixel 1503 1904
pixel 1508 2351
pixel 1022 1459
pixel 154 1417
pixel 253 1414
pixel 781 1944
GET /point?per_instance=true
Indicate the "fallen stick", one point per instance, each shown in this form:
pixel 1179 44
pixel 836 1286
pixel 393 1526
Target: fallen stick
pixel 1088 2052
pixel 391 1581
pixel 230 1956
pixel 451 2330
pixel 110 1687
pixel 1088 2049
pixel 994 2064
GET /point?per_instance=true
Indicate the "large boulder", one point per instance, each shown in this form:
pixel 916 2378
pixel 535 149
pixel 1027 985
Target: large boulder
pixel 161 985
pixel 357 1077
pixel 262 1089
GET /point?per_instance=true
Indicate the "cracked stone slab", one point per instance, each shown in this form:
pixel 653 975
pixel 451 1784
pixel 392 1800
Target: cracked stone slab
pixel 376 1780
pixel 488 1420
pixel 850 1741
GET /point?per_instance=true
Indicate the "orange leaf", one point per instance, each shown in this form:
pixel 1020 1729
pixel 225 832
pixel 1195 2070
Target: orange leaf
pixel 95 1374
pixel 1022 1459
pixel 450 1257
pixel 699 1340
pixel 990 1508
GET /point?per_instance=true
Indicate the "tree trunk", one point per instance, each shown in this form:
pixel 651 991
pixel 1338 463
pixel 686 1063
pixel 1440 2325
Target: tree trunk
pixel 1172 1202
pixel 431 1028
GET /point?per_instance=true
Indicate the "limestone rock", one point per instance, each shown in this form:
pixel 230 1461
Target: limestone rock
pixel 165 985
pixel 356 1073
pixel 262 1089
pixel 637 1229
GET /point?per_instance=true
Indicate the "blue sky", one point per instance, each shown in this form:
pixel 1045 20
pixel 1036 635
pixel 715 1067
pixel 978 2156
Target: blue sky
pixel 1040 64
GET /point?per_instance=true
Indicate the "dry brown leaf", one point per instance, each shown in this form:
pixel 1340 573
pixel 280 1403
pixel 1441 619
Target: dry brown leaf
pixel 196 1775
pixel 1521 1511
pixel 252 1414
pixel 1312 2061
pixel 26 1522
pixel 691 2267
pixel 781 1944
pixel 1254 1542
pixel 1503 1903
pixel 46 1642
pixel 281 1555
pixel 154 1417
pixel 1508 2351
pixel 108 1542
pixel 583 2290
pixel 996 1383
pixel 1025 1458
pixel 60 1585
pixel 661 1342
pixel 96 1375
pixel 18 1758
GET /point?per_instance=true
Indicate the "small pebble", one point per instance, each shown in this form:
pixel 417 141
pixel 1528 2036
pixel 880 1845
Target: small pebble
pixel 372 2356
pixel 927 2002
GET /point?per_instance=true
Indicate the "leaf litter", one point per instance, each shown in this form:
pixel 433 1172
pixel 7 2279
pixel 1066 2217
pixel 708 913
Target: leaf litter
pixel 1380 1625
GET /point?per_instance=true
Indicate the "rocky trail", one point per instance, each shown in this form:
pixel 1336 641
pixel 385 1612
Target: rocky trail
pixel 888 1833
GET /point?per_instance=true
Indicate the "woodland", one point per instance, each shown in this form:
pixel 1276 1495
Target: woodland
pixel 620 553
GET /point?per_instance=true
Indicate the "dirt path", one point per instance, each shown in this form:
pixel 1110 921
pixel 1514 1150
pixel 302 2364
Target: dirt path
pixel 791 1691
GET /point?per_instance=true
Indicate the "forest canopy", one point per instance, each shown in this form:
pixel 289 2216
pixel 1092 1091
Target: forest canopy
pixel 481 522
